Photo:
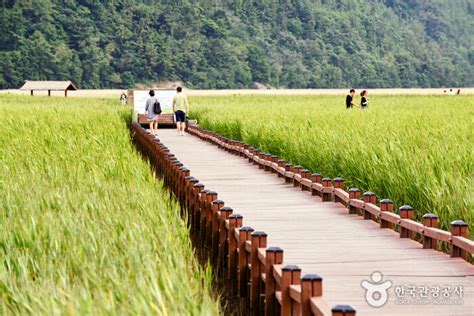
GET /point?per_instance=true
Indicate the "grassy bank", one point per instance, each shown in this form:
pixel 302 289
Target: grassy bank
pixel 412 149
pixel 85 228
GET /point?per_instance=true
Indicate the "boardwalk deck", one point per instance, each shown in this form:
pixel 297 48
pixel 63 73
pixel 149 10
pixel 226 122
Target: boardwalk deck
pixel 323 238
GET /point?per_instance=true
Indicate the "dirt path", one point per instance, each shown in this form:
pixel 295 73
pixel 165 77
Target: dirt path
pixel 116 92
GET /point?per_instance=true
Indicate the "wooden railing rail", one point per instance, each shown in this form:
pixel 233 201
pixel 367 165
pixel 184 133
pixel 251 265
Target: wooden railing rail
pixel 238 253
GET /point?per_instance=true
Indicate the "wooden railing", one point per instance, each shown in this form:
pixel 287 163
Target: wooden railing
pixel 427 232
pixel 238 253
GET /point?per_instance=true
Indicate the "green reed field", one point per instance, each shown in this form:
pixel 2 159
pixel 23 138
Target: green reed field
pixel 85 228
pixel 415 150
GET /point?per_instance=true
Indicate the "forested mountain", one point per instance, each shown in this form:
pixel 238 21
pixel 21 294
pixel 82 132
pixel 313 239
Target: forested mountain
pixel 233 43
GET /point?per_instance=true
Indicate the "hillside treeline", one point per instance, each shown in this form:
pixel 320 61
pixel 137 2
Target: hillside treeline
pixel 234 43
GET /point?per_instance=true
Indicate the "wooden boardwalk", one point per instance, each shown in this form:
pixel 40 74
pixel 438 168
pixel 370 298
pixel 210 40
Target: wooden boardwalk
pixel 323 238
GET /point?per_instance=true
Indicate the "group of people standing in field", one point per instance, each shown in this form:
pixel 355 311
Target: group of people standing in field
pixel 364 100
pixel 180 110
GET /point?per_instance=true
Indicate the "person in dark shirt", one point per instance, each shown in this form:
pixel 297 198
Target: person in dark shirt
pixel 364 101
pixel 349 99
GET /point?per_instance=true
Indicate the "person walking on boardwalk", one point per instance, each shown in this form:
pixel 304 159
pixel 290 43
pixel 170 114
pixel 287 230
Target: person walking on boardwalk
pixel 180 109
pixel 350 99
pixel 153 111
pixel 364 101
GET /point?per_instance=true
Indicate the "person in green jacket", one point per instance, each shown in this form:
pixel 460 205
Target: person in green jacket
pixel 180 109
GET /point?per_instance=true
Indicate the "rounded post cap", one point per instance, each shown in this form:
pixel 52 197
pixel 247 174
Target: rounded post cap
pixel 188 178
pixel 205 191
pixel 226 209
pixel 406 208
pixel 198 185
pixel 170 155
pixel 291 267
pixel 316 175
pixel 280 160
pixel 305 171
pixel 288 165
pixel 459 223
pixel 299 167
pixel 236 216
pixel 273 156
pixel 211 192
pixel 354 190
pixel 369 193
pixel 338 179
pixel 311 277
pixel 184 169
pixel 259 233
pixel 274 249
pixel 246 229
pixel 343 309
pixel 326 179
pixel 386 201
pixel 430 216
pixel 217 201
pixel 193 180
pixel 177 163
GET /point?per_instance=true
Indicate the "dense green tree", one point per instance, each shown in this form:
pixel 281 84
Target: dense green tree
pixel 234 43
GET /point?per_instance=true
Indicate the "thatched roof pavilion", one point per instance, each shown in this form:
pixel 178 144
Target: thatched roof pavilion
pixel 48 86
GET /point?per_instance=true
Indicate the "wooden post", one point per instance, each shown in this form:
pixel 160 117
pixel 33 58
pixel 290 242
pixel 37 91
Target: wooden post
pixel 190 201
pixel 267 157
pixel 406 212
pixel 458 228
pixel 354 193
pixel 290 274
pixel 296 170
pixel 343 310
pixel 369 197
pixel 273 159
pixel 31 92
pixel 207 220
pixel 327 183
pixel 197 213
pixel 273 255
pixel 221 252
pixel 315 178
pixel 281 163
pixel 338 184
pixel 386 205
pixel 305 174
pixel 311 286
pixel 251 151
pixel 49 93
pixel 235 221
pixel 288 167
pixel 214 229
pixel 256 152
pixel 259 240
pixel 430 220
pixel 65 93
pixel 262 156
pixel 244 235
